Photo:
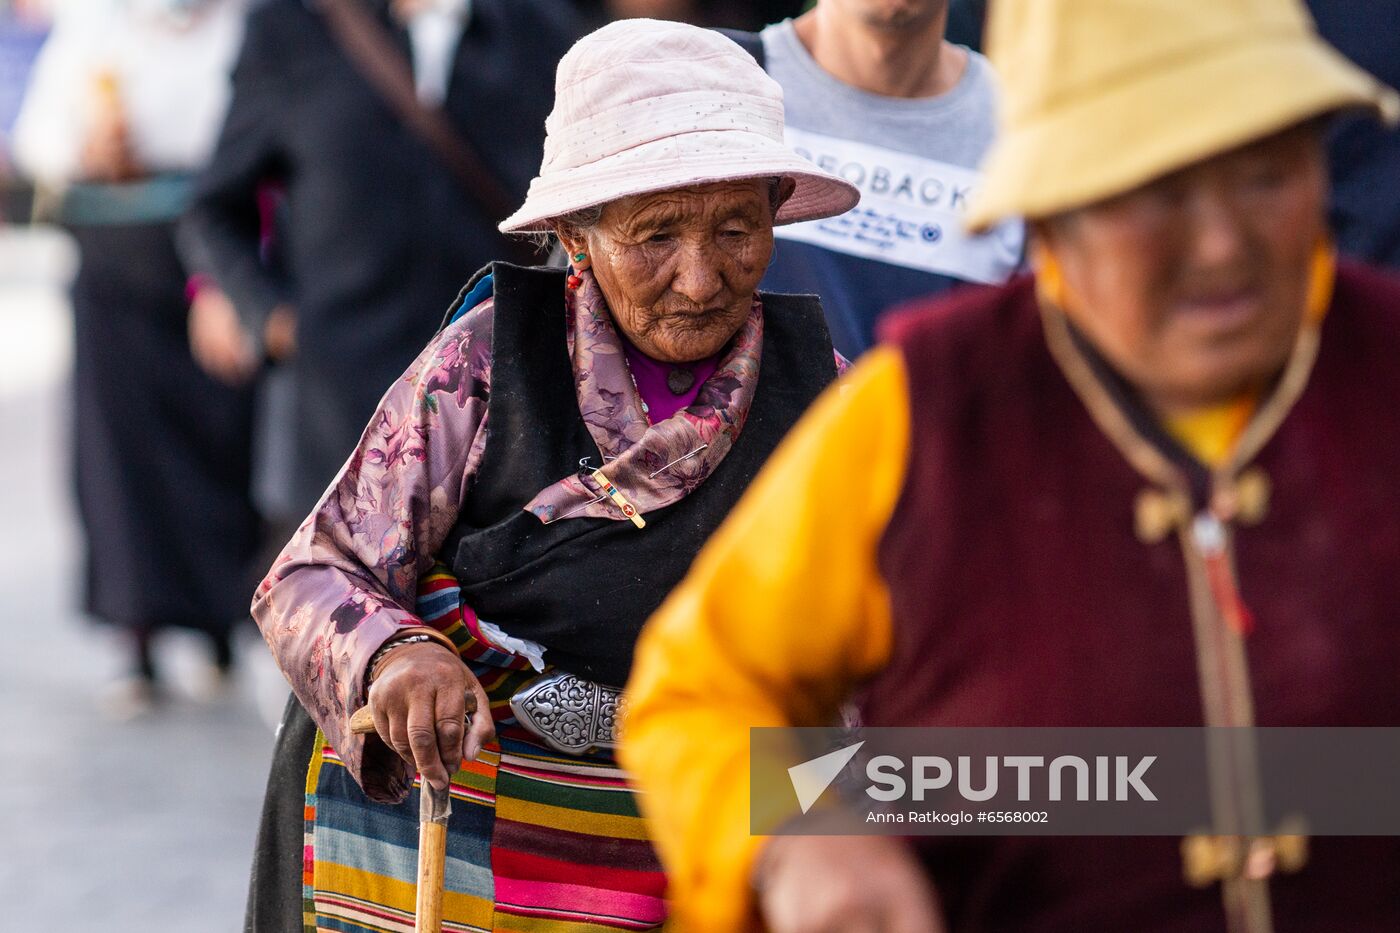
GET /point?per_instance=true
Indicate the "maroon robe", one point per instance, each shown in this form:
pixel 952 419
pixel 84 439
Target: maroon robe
pixel 1022 596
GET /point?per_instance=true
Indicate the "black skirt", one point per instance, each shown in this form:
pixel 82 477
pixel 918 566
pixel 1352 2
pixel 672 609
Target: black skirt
pixel 274 888
pixel 161 450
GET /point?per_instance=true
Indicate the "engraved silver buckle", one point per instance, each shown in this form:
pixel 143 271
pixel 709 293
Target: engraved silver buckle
pixel 570 714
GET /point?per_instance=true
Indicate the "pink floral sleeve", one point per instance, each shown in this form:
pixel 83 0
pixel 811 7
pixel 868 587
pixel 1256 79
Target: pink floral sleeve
pixel 347 580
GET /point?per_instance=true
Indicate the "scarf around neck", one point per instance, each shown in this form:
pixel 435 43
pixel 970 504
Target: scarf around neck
pixel 653 465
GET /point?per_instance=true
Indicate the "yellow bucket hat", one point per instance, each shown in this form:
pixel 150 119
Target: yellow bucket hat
pixel 1103 96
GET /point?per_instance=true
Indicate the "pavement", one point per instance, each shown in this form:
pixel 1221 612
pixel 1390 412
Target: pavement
pixel 143 825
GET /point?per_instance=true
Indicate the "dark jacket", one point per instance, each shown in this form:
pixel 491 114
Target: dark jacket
pixel 377 233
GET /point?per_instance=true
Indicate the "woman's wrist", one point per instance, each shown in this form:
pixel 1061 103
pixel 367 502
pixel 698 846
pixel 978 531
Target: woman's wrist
pixel 413 636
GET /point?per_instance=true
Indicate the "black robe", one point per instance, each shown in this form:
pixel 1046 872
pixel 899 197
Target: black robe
pixel 161 449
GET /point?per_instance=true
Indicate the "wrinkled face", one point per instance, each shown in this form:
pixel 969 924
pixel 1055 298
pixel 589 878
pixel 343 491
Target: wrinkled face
pixel 679 268
pixel 890 14
pixel 1194 286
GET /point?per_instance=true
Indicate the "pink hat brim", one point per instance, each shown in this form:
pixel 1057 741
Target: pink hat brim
pixel 684 161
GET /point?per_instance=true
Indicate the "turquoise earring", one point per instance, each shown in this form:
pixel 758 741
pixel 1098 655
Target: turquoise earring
pixel 574 282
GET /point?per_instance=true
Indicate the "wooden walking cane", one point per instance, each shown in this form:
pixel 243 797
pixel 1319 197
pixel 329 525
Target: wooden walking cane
pixel 434 808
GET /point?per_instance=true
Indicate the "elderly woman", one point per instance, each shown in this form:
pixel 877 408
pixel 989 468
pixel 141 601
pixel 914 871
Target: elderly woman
pixel 1156 485
pixel 560 451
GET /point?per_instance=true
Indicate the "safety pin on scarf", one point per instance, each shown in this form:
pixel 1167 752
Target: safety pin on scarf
pixel 612 492
pixel 582 469
pixel 675 461
pixel 609 492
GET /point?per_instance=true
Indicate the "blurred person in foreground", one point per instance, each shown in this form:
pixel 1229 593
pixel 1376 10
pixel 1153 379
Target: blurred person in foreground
pixel 123 108
pixel 873 92
pixel 1154 485
pixel 528 492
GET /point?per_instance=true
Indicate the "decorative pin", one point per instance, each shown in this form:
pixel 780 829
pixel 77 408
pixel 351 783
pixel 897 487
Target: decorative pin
pixel 619 500
pixel 615 494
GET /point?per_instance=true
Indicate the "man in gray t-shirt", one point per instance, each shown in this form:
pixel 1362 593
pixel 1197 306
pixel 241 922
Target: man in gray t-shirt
pixel 875 94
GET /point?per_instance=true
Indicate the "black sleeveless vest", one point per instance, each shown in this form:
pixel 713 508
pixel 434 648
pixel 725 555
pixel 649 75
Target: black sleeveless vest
pixel 583 587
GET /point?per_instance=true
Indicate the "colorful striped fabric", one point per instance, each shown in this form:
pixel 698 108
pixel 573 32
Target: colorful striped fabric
pixel 440 605
pixel 538 842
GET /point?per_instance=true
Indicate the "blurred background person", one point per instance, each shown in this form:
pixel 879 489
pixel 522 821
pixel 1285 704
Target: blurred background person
pixel 378 213
pixel 122 109
pixel 875 93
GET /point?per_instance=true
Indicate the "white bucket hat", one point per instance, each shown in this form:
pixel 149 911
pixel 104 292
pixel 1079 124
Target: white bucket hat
pixel 643 105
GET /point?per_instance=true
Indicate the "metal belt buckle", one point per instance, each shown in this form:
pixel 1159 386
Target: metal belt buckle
pixel 572 715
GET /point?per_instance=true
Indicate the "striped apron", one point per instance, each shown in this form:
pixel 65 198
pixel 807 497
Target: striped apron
pixel 538 842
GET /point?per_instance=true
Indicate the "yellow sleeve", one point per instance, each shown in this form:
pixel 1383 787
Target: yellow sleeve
pixel 783 613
